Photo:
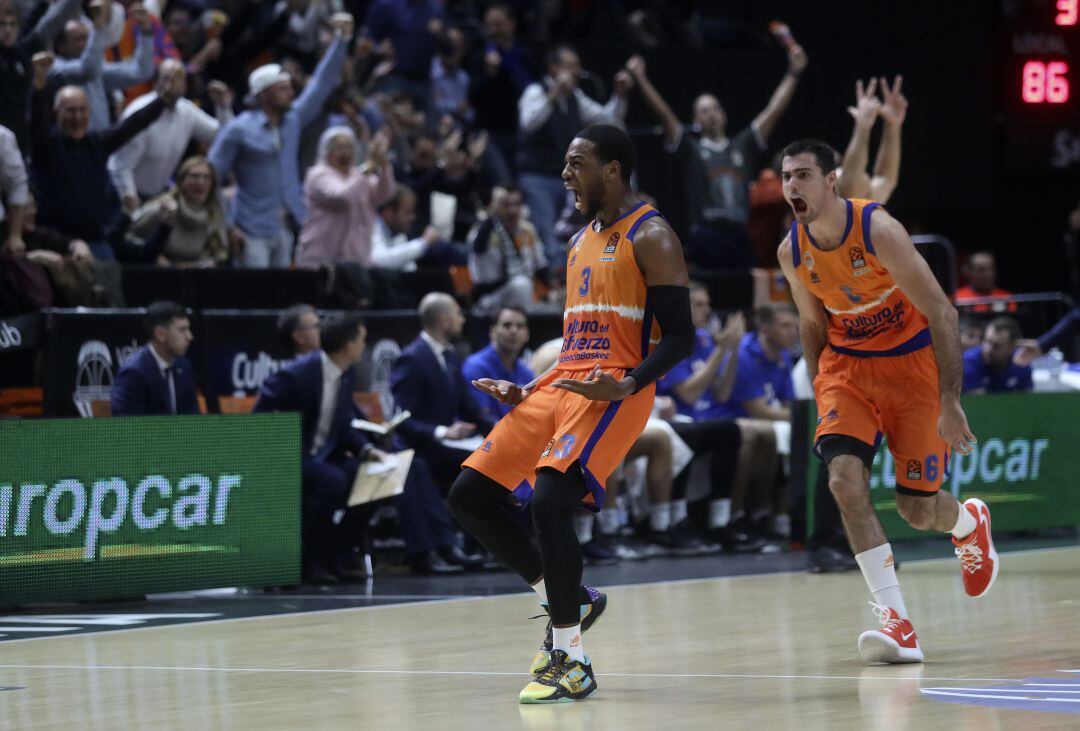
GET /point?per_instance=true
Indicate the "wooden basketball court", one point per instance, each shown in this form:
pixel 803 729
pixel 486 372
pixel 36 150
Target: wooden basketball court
pixel 760 652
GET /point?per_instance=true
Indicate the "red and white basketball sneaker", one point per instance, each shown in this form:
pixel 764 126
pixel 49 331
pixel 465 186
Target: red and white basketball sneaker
pixel 979 562
pixel 895 642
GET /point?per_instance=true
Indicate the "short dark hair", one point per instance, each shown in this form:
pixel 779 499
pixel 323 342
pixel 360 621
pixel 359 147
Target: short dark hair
pixel 289 321
pixel 765 314
pixel 337 331
pixel 553 56
pixel 512 308
pixel 827 158
pixel 1006 325
pixel 161 314
pixel 612 143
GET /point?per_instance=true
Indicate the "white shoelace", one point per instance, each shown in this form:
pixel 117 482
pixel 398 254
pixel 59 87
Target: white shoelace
pixel 971 557
pixel 888 619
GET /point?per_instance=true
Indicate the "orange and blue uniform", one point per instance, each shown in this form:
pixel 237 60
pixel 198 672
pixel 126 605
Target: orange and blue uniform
pixel 878 375
pixel 606 322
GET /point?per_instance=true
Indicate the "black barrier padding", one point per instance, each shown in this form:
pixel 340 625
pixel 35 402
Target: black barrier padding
pixel 233 351
pixel 252 288
pixel 142 285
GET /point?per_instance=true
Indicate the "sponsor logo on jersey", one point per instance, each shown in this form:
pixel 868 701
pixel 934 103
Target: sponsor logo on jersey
pixel 914 469
pixel 858 261
pixel 612 243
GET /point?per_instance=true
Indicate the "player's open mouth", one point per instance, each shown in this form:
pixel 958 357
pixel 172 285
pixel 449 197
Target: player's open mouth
pixel 799 205
pixel 577 195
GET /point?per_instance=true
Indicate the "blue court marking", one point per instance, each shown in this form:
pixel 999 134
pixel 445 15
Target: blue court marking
pixel 1057 695
pixel 12 687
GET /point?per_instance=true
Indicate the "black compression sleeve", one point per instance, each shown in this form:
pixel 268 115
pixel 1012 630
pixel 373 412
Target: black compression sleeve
pixel 670 305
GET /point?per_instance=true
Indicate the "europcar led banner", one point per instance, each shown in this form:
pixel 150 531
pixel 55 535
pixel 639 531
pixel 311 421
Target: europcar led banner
pixel 121 507
pixel 1025 466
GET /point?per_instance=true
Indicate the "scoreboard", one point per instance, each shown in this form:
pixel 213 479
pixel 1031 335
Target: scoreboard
pixel 1039 89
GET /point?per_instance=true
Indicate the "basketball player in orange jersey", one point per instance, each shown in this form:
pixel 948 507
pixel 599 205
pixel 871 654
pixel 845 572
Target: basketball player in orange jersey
pixel 883 348
pixel 626 323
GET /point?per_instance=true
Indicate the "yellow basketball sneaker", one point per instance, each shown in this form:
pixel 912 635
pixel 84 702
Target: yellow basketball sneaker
pixel 563 680
pixel 590 612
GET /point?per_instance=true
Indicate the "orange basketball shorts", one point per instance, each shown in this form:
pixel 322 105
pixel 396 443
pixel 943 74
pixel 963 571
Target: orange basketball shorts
pixel 894 396
pixel 555 428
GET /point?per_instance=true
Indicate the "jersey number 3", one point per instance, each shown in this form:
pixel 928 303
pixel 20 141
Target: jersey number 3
pixel 586 274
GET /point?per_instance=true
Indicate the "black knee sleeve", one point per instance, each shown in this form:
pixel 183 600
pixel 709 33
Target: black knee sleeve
pixel 831 446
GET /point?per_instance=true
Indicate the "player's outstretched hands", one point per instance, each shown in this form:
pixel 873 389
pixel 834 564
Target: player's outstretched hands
pixel 867 105
pixel 953 427
pixel 894 106
pixel 504 392
pixel 598 386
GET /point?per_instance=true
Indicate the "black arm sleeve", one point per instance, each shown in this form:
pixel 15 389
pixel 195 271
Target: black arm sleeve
pixel 671 305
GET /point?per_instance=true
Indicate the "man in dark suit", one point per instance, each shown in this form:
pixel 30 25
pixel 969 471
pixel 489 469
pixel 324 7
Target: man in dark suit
pixel 426 380
pixel 158 379
pixel 319 385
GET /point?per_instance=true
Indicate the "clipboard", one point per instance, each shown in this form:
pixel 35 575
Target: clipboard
pixel 375 482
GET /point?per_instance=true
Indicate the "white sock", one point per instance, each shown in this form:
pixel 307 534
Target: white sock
pixel 965 524
pixel 568 639
pixel 583 528
pixel 678 511
pixel 660 517
pixel 540 589
pixel 719 512
pixel 609 520
pixel 877 569
pixel 782 525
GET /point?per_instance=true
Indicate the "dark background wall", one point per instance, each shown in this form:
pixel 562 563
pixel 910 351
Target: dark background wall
pixel 953 179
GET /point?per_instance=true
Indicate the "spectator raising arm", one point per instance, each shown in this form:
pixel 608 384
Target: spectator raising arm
pixel 765 121
pixel 88 65
pixel 41 36
pixel 887 167
pixel 855 182
pixel 671 125
pixel 328 73
pixel 117 135
pixel 138 68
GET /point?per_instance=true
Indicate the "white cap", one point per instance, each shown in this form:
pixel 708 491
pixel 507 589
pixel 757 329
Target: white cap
pixel 265 76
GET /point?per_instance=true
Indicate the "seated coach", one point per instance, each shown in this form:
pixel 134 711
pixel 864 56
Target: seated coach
pixel 426 380
pixel 158 379
pixel 319 385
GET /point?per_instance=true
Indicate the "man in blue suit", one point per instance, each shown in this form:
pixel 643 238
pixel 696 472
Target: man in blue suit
pixel 158 379
pixel 319 385
pixel 426 380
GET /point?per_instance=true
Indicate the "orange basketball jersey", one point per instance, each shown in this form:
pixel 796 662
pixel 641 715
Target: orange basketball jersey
pixel 869 315
pixel 607 319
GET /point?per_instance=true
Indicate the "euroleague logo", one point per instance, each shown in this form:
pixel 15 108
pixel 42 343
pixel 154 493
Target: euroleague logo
pixel 612 243
pixel 914 469
pixel 858 260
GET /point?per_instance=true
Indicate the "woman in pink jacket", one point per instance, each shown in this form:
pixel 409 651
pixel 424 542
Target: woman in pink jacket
pixel 342 199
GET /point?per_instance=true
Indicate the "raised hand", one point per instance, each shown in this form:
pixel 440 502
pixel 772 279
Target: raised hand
pixel 342 23
pixel 220 93
pixel 894 108
pixel 624 82
pixel 867 106
pixel 42 61
pixel 797 59
pixel 635 66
